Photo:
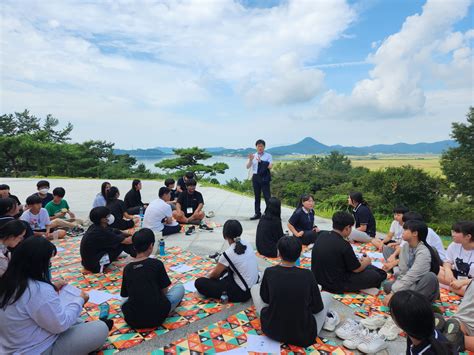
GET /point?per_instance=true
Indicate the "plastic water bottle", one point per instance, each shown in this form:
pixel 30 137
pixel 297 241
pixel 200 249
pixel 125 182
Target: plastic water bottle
pixel 224 298
pixel 141 216
pixel 298 263
pixel 104 310
pixel 162 247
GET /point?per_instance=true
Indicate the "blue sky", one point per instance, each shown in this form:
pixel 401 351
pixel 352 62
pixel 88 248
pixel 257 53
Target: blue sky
pixel 224 73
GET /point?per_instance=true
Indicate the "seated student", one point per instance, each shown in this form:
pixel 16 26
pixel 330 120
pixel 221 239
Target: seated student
pixel 269 229
pixel 289 295
pixel 394 235
pixel 38 219
pixel 365 227
pixel 463 320
pixel 432 239
pixel 189 205
pixel 9 211
pixel 100 198
pixel 413 313
pixel 34 319
pixel 5 193
pixel 43 192
pixel 102 244
pixel 419 264
pixel 11 234
pixel 133 198
pixel 170 184
pixel 237 269
pixel 458 269
pixel 58 208
pixel 122 220
pixel 181 184
pixel 158 215
pixel 335 264
pixel 301 223
pixel 146 284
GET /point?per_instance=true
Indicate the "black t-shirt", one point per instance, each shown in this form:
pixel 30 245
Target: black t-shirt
pixel 363 215
pixel 269 232
pixel 46 199
pixel 117 208
pixel 425 347
pixel 187 200
pixel 142 283
pixel 133 198
pixel 293 297
pixel 332 261
pixel 173 195
pixel 181 184
pixel 96 242
pixel 301 220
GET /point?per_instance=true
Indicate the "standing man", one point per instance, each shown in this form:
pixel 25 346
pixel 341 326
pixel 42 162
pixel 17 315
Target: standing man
pixel 261 163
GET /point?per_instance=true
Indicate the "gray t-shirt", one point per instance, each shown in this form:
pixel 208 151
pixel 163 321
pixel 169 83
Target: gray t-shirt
pixel 465 313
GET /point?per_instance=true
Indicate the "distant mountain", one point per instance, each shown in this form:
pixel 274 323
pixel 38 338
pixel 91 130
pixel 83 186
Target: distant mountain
pixel 311 146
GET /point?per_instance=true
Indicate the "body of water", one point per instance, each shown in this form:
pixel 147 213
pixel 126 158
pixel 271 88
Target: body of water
pixel 236 165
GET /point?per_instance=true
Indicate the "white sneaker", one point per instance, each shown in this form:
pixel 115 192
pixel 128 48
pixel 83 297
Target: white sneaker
pixel 374 322
pixel 355 339
pixel 390 330
pixel 349 327
pixel 372 344
pixel 332 321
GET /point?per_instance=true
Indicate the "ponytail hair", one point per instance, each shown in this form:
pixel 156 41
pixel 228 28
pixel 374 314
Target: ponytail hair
pixel 233 230
pixel 421 228
pixel 12 228
pixel 112 194
pixel 304 198
pixel 412 312
pixel 357 197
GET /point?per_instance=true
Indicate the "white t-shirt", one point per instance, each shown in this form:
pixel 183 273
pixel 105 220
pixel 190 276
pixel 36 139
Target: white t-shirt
pixel 154 214
pixel 33 323
pixel 458 256
pixel 99 201
pixel 246 263
pixel 36 221
pixel 264 157
pixel 397 231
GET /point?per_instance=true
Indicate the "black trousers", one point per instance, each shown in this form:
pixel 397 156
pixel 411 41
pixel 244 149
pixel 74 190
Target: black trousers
pixel 94 266
pixel 213 288
pixel 167 230
pixel 371 277
pixel 260 187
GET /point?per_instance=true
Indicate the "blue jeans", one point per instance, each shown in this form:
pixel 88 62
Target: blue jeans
pixel 175 295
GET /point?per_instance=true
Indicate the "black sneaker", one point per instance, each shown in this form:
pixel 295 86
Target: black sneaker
pixel 215 256
pixel 190 230
pixel 205 227
pixel 439 321
pixel 453 333
pixel 255 217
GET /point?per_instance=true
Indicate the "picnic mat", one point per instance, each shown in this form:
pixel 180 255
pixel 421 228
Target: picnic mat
pixel 68 252
pixel 368 305
pixel 191 309
pixel 232 333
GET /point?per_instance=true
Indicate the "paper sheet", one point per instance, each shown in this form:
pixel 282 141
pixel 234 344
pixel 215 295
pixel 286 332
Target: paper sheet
pixel 60 249
pixel 375 255
pixel 236 351
pixel 68 294
pixel 99 297
pixel 262 344
pixel 181 268
pixel 307 254
pixel 377 264
pixel 189 286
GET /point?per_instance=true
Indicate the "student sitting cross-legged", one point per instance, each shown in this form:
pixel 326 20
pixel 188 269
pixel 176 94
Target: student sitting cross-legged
pixel 159 216
pixel 237 269
pixel 301 223
pixel 292 310
pixel 122 219
pixel 102 244
pixel 59 212
pixel 393 238
pixel 38 219
pixel 147 286
pixel 189 205
pixel 365 226
pixel 419 264
pixel 269 229
pixel 334 263
pixel 33 318
pixel 458 269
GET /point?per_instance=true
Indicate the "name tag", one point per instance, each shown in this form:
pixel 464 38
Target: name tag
pixel 189 210
pixel 462 278
pixel 105 260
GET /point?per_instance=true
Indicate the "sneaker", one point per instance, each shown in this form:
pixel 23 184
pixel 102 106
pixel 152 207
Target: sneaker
pixel 205 227
pixel 439 321
pixel 190 230
pixel 211 214
pixel 390 330
pixel 355 339
pixel 215 256
pixel 375 322
pixel 372 343
pixel 453 333
pixel 332 321
pixel 255 217
pixel 349 327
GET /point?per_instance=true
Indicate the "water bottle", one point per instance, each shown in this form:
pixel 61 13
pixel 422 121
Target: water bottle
pixel 298 263
pixel 104 310
pixel 224 298
pixel 162 247
pixel 141 216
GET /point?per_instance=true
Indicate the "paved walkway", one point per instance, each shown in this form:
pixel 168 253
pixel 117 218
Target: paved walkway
pixel 80 194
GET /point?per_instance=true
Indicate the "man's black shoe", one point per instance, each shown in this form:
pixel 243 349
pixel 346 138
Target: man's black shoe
pixel 255 217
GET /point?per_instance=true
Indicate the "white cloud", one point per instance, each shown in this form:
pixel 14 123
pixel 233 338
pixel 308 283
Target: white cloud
pixel 405 62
